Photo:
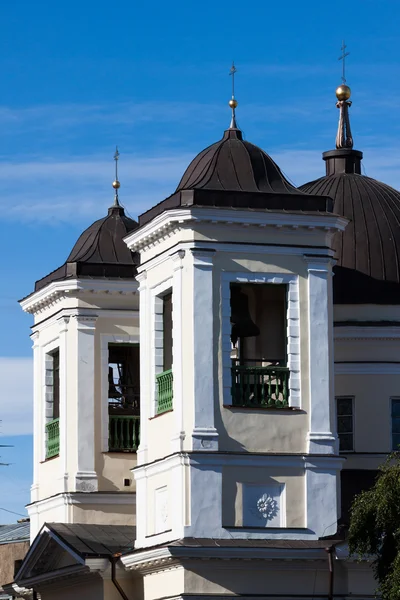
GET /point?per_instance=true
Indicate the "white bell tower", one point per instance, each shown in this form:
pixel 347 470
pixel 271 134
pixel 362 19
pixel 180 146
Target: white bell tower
pixel 238 432
pixel 86 380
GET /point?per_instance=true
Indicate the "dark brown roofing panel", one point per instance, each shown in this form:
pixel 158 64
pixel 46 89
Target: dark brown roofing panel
pixel 99 252
pixel 368 251
pixel 95 540
pixel 234 164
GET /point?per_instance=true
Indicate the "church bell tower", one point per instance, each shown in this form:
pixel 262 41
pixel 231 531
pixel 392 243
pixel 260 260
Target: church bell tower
pixel 238 432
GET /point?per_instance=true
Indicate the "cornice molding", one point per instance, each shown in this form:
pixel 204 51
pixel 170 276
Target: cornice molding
pixel 170 221
pixel 57 291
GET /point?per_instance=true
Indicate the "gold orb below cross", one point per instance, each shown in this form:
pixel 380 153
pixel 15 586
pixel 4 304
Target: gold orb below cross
pixel 343 92
pixel 233 103
pixel 116 184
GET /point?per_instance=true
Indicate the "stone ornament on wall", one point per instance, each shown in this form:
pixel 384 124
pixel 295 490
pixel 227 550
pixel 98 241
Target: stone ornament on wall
pixel 263 505
pixel 161 509
pixel 267 507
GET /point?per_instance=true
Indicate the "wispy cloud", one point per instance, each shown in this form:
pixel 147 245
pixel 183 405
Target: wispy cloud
pixel 16 396
pixel 57 191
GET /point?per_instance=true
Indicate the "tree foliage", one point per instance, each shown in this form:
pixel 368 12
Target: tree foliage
pixel 375 527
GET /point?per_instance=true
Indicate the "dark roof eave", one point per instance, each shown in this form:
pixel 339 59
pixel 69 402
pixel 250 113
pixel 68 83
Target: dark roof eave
pixel 239 200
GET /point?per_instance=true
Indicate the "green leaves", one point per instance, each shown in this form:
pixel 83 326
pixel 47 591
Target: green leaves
pixel 375 527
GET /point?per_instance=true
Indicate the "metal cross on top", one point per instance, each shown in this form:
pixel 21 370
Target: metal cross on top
pixel 116 157
pixel 232 72
pixel 343 58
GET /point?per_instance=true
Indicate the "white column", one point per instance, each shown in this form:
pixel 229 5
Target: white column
pixel 63 374
pixel 178 435
pixel 38 430
pixel 85 476
pixel 204 435
pixel 320 438
pixel 145 361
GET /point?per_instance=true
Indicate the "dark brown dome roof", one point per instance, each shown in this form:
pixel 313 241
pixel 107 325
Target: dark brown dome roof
pixel 100 251
pixel 368 251
pixel 236 165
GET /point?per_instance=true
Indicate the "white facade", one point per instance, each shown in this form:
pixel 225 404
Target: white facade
pixel 206 467
pixel 82 482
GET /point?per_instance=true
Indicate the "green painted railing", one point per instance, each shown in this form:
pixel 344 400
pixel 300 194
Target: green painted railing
pixel 265 386
pixel 164 391
pixel 123 433
pixel 53 438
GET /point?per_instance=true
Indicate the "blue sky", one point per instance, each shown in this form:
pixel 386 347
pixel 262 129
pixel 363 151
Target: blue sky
pixel 80 77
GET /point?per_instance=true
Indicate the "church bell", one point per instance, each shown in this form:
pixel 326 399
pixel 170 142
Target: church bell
pixel 242 325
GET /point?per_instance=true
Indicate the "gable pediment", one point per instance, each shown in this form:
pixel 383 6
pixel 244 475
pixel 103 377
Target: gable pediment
pixel 48 558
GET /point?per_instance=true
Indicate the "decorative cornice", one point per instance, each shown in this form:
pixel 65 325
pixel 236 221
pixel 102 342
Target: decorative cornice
pixel 170 221
pixel 57 291
pixel 167 557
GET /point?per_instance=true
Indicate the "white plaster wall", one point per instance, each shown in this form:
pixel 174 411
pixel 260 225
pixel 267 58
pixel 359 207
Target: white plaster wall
pixel 118 514
pixel 259 577
pixel 366 350
pixel 165 584
pixel 372 418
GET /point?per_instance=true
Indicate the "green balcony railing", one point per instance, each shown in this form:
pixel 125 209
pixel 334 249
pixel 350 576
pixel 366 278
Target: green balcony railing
pixel 123 433
pixel 260 386
pixel 53 438
pixel 164 391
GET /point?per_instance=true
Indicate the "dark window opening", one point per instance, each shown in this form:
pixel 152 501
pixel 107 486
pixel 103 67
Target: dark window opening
pixel 167 332
pixel 260 376
pixel 123 398
pixel 258 320
pixel 56 383
pixel 123 378
pixel 345 423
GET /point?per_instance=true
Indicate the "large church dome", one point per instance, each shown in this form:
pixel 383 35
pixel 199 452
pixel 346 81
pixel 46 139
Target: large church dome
pixel 368 251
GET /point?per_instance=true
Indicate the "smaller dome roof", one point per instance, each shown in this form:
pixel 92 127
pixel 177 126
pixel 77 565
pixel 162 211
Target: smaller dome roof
pixel 99 251
pixel 233 164
pixel 102 242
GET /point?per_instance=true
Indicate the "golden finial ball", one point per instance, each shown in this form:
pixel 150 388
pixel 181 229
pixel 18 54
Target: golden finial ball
pixel 343 92
pixel 116 184
pixel 233 103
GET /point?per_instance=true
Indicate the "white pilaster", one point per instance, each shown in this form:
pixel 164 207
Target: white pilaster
pixel 204 435
pixel 320 438
pixel 145 356
pixel 63 349
pixel 37 415
pixel 178 435
pixel 322 512
pixel 85 476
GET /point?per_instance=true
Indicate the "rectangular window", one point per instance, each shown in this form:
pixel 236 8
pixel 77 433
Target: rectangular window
pixel 163 346
pixel 345 423
pixel 260 377
pixel 123 397
pixel 167 332
pixel 56 383
pixel 52 362
pixel 396 424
